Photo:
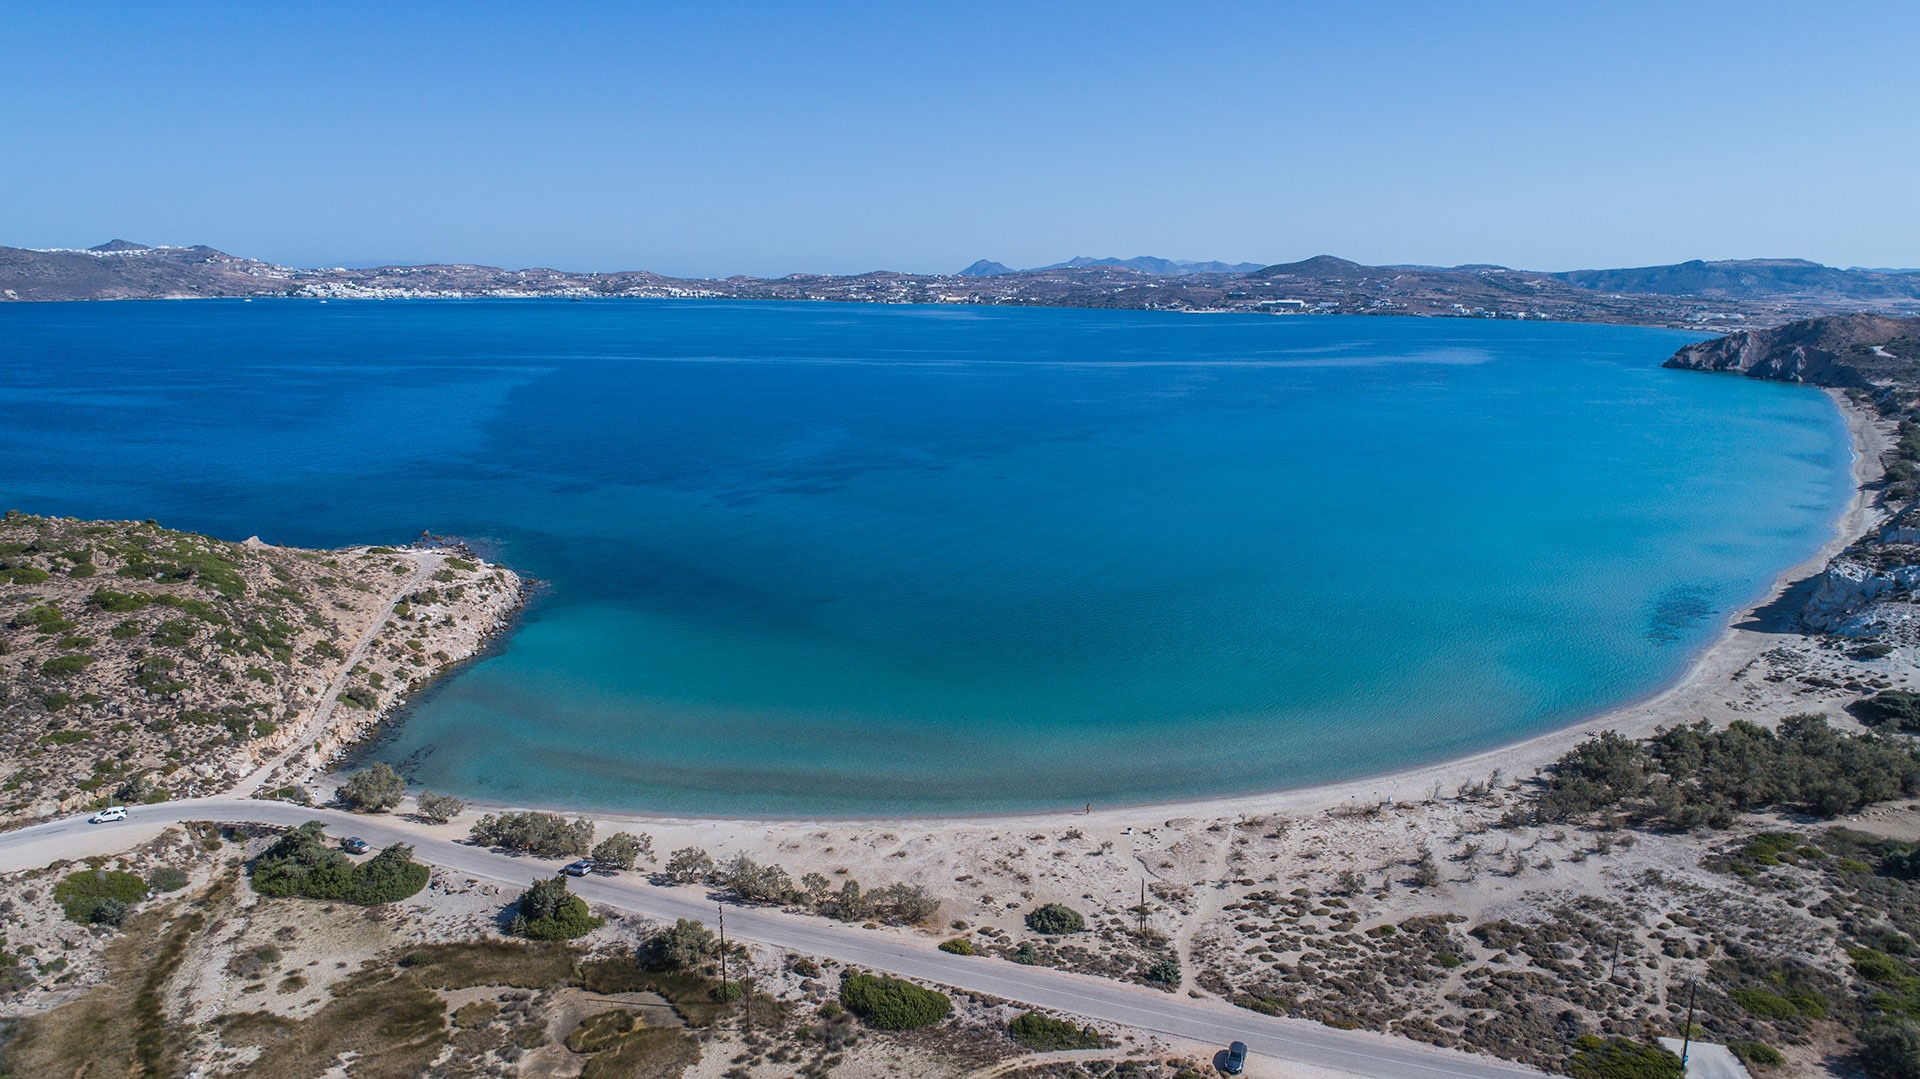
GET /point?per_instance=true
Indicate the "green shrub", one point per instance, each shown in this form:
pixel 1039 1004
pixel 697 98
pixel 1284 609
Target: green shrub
pixel 958 946
pixel 65 737
pixel 98 896
pixel 1045 1034
pixel 892 1004
pixel 174 632
pixel 1054 919
pixel 61 666
pixel 1618 1058
pixel 300 863
pixel 1165 973
pixel 547 911
pixel 118 602
pixel 1756 1053
pixel 1890 1049
pixel 361 697
pixel 1875 966
pixel 1896 707
pixel 167 879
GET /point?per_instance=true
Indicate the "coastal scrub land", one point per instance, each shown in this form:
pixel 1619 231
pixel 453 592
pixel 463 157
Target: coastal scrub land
pixel 138 663
pixel 1744 847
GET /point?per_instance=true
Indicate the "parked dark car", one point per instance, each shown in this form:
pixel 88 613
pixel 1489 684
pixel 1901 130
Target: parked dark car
pixel 1236 1061
pixel 354 845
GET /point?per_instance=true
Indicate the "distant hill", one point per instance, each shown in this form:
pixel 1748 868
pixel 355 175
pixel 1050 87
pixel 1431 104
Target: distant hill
pixel 1745 279
pixel 986 268
pixel 1319 266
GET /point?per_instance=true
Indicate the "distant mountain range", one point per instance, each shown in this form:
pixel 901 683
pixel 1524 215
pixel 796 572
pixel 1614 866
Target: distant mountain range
pixel 1141 263
pixel 1747 292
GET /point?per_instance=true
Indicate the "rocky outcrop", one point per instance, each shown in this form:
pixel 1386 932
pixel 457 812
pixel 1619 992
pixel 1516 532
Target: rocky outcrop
pixel 1856 598
pixel 1845 351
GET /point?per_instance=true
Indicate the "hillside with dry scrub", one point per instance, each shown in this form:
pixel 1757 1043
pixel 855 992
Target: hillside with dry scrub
pixel 138 663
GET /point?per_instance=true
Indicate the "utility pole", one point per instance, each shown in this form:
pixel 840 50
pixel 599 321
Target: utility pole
pixel 723 944
pixel 1614 967
pixel 1143 906
pixel 746 997
pixel 1686 1036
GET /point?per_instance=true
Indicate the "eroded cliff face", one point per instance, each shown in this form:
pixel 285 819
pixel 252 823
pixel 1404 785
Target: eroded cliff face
pixel 1868 590
pixel 1858 598
pixel 1844 351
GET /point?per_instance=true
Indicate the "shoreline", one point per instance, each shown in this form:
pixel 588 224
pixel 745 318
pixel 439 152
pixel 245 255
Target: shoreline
pixel 1700 691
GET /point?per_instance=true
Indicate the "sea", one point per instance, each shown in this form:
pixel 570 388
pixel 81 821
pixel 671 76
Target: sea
pixel 841 560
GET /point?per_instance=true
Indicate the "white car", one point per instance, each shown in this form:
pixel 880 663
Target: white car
pixel 108 815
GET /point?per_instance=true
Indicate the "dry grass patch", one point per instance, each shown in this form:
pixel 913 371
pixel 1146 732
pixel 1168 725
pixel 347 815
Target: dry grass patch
pixel 385 1020
pixel 537 965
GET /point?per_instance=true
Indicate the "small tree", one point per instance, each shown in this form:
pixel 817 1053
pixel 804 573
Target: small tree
pixel 689 864
pixel 623 850
pixel 547 911
pixel 373 790
pixel 1426 873
pixel 1054 919
pixel 816 886
pixel 439 808
pixel 686 946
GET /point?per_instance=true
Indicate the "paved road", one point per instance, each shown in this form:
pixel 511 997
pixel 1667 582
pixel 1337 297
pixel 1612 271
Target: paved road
pixel 892 951
pixel 1708 1060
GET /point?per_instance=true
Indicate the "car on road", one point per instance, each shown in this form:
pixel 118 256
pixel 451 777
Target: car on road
pixel 580 868
pixel 1236 1061
pixel 108 815
pixel 355 845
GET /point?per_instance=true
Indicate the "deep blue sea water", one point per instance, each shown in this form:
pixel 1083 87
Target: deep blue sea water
pixel 836 559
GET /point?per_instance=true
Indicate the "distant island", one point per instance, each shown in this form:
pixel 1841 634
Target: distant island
pixel 1693 294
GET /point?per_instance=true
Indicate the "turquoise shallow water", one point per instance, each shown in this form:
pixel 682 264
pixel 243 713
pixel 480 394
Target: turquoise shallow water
pixel 822 559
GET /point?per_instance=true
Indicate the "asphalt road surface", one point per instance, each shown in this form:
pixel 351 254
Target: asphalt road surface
pixel 891 951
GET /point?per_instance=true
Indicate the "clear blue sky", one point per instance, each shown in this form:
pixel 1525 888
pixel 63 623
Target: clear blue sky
pixel 712 139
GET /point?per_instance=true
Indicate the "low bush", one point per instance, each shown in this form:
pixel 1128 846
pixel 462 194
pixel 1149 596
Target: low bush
pixel 1054 919
pixel 167 879
pixel 1756 1053
pixel 1618 1058
pixel 1890 1049
pixel 688 945
pixel 1045 1034
pixel 958 946
pixel 1898 708
pixel 98 896
pixel 547 911
pixel 892 1004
